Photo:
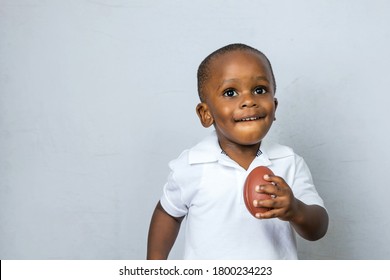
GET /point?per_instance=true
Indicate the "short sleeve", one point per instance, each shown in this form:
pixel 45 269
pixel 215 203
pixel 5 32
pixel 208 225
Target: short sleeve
pixel 303 186
pixel 171 199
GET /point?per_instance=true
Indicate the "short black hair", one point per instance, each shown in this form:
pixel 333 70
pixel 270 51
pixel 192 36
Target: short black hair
pixel 204 67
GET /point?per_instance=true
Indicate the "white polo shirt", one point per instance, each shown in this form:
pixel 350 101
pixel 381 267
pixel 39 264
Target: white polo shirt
pixel 207 186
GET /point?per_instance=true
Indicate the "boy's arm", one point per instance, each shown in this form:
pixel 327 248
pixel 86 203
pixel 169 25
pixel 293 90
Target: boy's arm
pixel 310 221
pixel 163 231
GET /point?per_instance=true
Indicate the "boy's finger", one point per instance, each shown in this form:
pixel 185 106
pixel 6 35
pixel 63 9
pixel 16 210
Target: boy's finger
pixel 272 213
pixel 273 178
pixel 268 188
pixel 271 189
pixel 265 203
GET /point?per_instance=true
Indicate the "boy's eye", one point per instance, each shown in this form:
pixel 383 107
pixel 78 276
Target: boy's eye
pixel 230 93
pixel 260 90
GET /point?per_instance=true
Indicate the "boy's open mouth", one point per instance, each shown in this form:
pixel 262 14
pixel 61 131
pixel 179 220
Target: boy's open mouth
pixel 248 119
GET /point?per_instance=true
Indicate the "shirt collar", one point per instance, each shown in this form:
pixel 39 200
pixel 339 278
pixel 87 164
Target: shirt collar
pixel 258 153
pixel 208 150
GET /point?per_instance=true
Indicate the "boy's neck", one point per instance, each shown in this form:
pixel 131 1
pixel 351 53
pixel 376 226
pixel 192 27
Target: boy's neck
pixel 242 154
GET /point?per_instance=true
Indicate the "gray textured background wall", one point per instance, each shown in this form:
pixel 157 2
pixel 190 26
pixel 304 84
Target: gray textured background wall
pixel 97 96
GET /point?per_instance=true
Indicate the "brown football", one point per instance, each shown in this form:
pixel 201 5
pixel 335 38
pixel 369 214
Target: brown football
pixel 256 178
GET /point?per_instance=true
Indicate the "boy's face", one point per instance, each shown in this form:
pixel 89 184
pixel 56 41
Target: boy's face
pixel 239 98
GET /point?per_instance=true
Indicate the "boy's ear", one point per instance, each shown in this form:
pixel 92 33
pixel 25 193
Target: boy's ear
pixel 204 114
pixel 276 106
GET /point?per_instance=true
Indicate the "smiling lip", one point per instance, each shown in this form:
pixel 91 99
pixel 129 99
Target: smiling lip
pixel 248 119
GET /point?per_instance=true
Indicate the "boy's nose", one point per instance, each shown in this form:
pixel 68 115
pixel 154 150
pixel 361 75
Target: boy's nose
pixel 248 100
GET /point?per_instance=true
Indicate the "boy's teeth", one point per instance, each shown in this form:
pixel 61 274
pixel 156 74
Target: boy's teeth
pixel 249 119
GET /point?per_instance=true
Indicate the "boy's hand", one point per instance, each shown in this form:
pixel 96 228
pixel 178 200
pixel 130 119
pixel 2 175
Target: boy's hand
pixel 310 221
pixel 283 204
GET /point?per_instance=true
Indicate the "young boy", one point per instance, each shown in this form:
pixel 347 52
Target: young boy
pixel 236 87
